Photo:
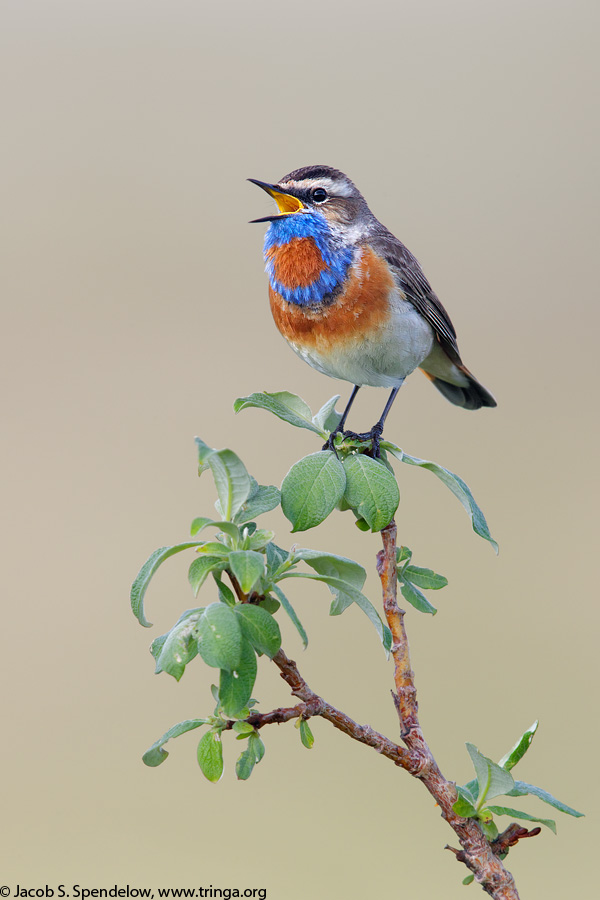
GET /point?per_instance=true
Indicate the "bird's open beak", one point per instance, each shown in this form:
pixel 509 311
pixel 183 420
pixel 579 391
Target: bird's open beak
pixel 286 203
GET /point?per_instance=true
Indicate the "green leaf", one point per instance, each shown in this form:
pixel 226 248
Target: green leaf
pixel 180 645
pixel 275 557
pixel 220 637
pixel 245 764
pixel 289 609
pixel 454 483
pixel 232 482
pixel 311 489
pixel 210 755
pixel 213 548
pixel 489 828
pixel 516 753
pixel 225 592
pixel 248 567
pixel 140 585
pixel 468 879
pixel 346 594
pixel 201 568
pixel 402 554
pixel 265 498
pixel 518 814
pixel 414 596
pixel 159 642
pixel 156 648
pixel 424 578
pixel 235 688
pixel 258 748
pixel 198 524
pixel 493 780
pixel 327 419
pixel 371 490
pixel 204 453
pixel 231 478
pixel 269 603
pixel 282 404
pixel 243 729
pixel 260 628
pixel 155 755
pixel 330 564
pixel 472 787
pixel 251 755
pixel 228 528
pixel 306 735
pixel 466 793
pixel 521 788
pixel 259 539
pixel 465 805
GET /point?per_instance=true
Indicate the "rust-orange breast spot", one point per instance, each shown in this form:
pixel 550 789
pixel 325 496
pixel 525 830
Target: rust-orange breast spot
pixel 296 264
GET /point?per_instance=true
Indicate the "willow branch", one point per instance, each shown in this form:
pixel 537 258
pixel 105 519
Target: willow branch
pixel 406 692
pixel 480 857
pixel 362 733
pixel 477 854
pixel 283 714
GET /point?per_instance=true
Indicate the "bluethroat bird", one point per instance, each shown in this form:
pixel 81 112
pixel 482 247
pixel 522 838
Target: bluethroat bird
pixel 352 300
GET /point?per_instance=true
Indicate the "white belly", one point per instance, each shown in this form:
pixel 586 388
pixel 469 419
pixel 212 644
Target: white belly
pixel 381 359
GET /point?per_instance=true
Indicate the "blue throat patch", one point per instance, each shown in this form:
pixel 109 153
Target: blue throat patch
pixel 336 256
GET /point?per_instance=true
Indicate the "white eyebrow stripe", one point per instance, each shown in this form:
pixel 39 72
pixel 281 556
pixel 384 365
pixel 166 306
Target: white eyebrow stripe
pixel 337 187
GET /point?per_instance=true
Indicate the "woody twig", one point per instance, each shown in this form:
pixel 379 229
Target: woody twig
pixel 479 855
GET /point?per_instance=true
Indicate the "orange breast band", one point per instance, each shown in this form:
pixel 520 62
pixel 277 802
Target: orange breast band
pixel 360 309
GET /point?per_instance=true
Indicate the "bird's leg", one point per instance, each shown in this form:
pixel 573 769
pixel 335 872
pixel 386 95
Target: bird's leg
pixel 374 435
pixel 340 426
pixel 342 422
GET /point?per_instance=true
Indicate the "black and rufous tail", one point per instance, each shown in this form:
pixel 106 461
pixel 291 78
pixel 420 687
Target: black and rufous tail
pixel 471 395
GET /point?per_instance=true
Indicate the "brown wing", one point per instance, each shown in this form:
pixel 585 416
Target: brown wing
pixel 412 281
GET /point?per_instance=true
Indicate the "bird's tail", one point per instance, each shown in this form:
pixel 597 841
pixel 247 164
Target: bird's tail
pixel 470 395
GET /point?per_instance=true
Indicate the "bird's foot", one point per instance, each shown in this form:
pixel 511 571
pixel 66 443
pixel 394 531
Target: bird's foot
pixel 330 442
pixel 374 436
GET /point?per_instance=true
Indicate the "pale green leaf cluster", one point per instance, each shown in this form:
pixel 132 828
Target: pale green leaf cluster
pixel 412 578
pixel 248 570
pixel 348 478
pixel 495 780
pixel 324 481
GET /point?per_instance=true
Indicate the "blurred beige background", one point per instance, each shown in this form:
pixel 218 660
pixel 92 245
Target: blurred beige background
pixel 135 311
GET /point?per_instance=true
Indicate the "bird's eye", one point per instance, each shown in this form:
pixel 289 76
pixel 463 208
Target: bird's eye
pixel 319 195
